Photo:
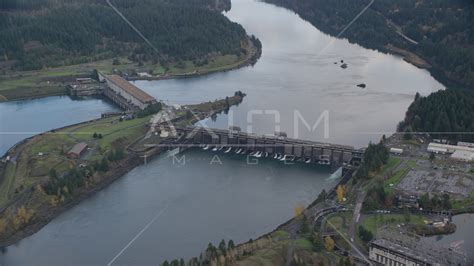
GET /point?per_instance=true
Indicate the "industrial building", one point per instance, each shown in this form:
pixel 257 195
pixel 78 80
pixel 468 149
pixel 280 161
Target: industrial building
pixel 412 252
pixel 462 153
pixel 466 144
pixel 127 91
pixel 77 151
pixel 396 151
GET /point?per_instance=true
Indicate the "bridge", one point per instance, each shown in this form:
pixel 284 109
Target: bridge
pixel 276 146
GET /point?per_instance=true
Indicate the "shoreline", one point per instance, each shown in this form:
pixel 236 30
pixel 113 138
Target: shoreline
pixel 37 225
pixel 46 212
pixel 252 58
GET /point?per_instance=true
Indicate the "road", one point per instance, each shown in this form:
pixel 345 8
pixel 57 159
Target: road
pixel 354 247
pixel 355 221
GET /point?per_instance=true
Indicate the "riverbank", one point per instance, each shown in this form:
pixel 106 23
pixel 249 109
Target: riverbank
pixel 53 81
pixel 409 57
pixel 40 180
pixel 388 29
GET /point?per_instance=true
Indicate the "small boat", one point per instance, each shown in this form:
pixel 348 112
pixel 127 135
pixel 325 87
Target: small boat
pixel 206 148
pixel 258 154
pixel 221 148
pixel 276 156
pixel 228 150
pixel 238 151
pixel 308 161
pixel 283 158
pixel 215 149
pixel 266 154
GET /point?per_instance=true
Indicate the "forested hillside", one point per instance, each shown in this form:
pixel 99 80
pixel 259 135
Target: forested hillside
pixel 46 33
pixel 442 111
pixel 441 31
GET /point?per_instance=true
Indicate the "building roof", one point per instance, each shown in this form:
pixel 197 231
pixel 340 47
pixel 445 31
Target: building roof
pixel 402 250
pixel 130 88
pixel 78 148
pixel 422 250
pixel 466 144
pixel 451 148
pixel 463 155
pixel 396 150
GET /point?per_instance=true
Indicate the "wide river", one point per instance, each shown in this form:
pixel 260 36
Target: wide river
pixel 166 210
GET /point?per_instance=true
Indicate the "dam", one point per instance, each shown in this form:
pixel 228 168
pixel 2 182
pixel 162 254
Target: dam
pixel 277 146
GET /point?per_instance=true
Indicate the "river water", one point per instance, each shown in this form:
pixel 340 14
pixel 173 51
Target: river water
pixel 463 238
pixel 23 119
pixel 165 210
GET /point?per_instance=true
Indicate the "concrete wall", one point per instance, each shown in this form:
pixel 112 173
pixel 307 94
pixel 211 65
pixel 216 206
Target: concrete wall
pixel 325 153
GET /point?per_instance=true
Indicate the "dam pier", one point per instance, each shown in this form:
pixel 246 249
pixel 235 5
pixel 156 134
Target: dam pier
pixel 277 146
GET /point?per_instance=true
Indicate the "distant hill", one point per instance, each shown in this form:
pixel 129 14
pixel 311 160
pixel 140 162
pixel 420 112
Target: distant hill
pixel 439 31
pixel 48 33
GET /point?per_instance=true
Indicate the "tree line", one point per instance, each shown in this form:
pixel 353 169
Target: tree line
pixel 48 33
pixel 375 156
pixel 449 114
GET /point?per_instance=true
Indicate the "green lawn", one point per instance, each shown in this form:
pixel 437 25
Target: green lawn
pixel 459 205
pixel 373 222
pixel 337 220
pixel 47 151
pixel 6 187
pixel 111 130
pixel 396 178
pixel 303 243
pixel 392 163
pixel 281 234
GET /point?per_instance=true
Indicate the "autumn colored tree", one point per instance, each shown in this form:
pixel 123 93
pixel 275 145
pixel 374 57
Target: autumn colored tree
pixel 298 210
pixel 340 191
pixel 329 243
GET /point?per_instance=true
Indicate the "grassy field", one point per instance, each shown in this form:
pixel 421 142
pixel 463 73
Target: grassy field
pixel 391 182
pixel 111 130
pixel 373 222
pixel 340 221
pixel 47 151
pixel 460 205
pixel 7 184
pixel 391 164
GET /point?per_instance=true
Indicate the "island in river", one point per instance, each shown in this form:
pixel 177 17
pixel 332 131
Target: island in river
pixel 48 173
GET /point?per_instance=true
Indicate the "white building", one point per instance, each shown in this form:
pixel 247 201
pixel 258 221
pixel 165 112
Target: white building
pixel 436 149
pixel 396 151
pixel 464 156
pixel 463 153
pixel 143 75
pixel 466 144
